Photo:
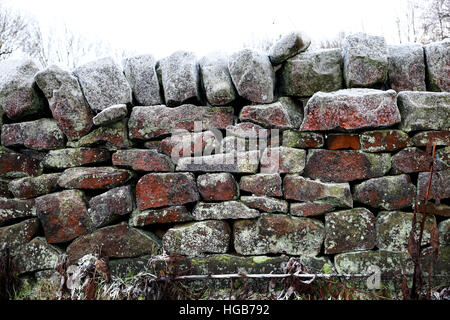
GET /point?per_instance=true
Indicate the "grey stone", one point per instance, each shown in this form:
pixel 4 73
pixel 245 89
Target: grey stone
pixel 140 72
pixel 180 78
pixel 437 55
pixel 365 60
pixel 444 232
pixel 424 110
pixel 252 75
pixel 266 204
pixel 103 84
pixel 236 162
pixel 406 67
pixel 216 79
pixel 312 71
pixel 16 208
pixel 111 114
pixel 37 255
pixel 223 210
pixel 288 46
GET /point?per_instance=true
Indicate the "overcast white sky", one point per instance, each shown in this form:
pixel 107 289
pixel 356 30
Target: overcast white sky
pixel 202 26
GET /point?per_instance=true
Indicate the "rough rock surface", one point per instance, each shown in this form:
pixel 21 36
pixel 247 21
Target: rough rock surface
pixel 299 188
pixel 74 157
pixel 93 178
pixel 165 189
pixel 111 114
pixel 283 114
pixel 180 78
pixel 119 241
pixel 310 72
pixel 197 238
pixel 278 233
pixel 424 110
pixel 103 84
pixel 188 144
pixel 216 79
pixel 171 214
pixel 42 134
pixel 440 185
pixel 411 160
pixel 314 208
pixel 236 162
pixel 384 140
pixel 349 230
pixel 288 46
pixel 63 215
pixel 247 130
pixel 298 139
pixel 37 255
pixel 252 75
pixel 437 56
pixel 17 235
pixel 350 109
pixel 428 138
pixel 15 208
pixel 444 232
pixel 66 101
pixel 283 160
pixel 262 184
pixel 394 227
pixel 406 67
pixel 142 160
pixel 105 207
pixel 217 186
pixel 342 166
pixel 365 60
pixel 17 165
pixel 389 192
pixel 18 94
pixel 266 204
pixel 223 210
pixel 141 74
pixel 150 122
pixel 31 187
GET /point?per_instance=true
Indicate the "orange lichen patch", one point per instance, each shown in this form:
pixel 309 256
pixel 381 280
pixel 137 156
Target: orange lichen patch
pixel 342 141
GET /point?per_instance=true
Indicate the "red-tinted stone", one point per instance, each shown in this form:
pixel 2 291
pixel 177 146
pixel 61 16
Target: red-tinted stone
pixel 439 188
pixel 143 160
pixel 171 214
pixel 217 186
pixel 390 192
pixel 119 241
pixel 15 208
pixel 283 114
pixel 342 166
pixel 342 141
pixel 302 189
pixel 42 134
pixel 185 145
pixel 63 215
pixel 4 190
pixel 165 189
pixel 349 230
pixel 306 209
pixel 74 157
pixel 150 122
pixel 105 207
pixel 283 159
pixel 350 109
pixel 17 235
pixel 237 162
pixel 298 139
pixel 262 184
pixel 384 140
pixel 266 204
pixel 31 187
pixel 428 138
pixel 93 178
pixel 431 208
pixel 414 160
pixel 16 165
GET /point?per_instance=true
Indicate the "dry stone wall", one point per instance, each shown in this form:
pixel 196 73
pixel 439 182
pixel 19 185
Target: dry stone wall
pixel 235 163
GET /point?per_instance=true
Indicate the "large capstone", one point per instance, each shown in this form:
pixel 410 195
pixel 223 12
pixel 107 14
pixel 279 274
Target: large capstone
pixel 288 46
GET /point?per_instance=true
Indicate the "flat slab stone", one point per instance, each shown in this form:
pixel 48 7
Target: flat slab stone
pixel 428 138
pixel 265 204
pixel 437 56
pixel 288 46
pixel 424 110
pixel 31 187
pixel 16 208
pixel 216 79
pixel 74 157
pixel 172 214
pixel 93 178
pixel 350 109
pixel 262 184
pixel 223 210
pixel 384 140
pixel 18 95
pixel 235 162
pixel 312 71
pixel 298 139
pixel 310 208
pixel 365 60
pixel 252 75
pixel 66 101
pixel 111 114
pixel 411 160
pixel 190 144
pixel 16 236
pixel 180 78
pixel 141 74
pixel 103 84
pixel 142 160
pixel 17 165
pixel 42 134
pixel 151 122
